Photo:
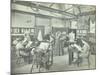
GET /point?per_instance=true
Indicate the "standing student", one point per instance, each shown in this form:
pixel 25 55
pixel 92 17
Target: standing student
pixel 57 43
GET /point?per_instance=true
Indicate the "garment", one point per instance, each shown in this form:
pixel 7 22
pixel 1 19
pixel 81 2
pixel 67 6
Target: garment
pixel 62 42
pixel 85 49
pixel 29 44
pixel 92 26
pixel 51 39
pixel 43 46
pixel 39 37
pixel 75 54
pixel 18 47
pixel 15 42
pixel 57 44
pixel 78 47
pixel 25 41
pixel 71 37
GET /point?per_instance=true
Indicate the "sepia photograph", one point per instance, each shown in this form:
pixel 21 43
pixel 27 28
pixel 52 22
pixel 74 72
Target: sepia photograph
pixel 52 37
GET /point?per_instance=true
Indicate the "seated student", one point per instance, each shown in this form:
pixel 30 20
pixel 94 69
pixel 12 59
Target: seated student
pixel 23 47
pixel 83 47
pixel 42 45
pixel 19 46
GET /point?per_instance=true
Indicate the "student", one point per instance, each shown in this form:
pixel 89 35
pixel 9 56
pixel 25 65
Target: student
pixel 85 49
pixel 57 43
pixel 62 42
pixel 82 47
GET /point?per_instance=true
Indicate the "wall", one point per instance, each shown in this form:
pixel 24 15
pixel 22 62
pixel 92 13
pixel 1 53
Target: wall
pixel 40 21
pixel 74 24
pixel 22 20
pixel 56 22
pixel 59 23
pixel 25 20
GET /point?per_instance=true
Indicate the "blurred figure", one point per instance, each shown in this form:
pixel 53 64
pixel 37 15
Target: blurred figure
pixel 19 46
pixel 62 41
pixel 16 41
pixel 24 46
pixel 26 38
pixel 57 43
pixel 82 47
pixel 71 36
pixel 85 49
pixel 46 37
pixel 66 44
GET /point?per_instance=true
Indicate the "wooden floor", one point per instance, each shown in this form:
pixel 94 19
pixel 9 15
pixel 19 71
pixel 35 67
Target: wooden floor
pixel 60 63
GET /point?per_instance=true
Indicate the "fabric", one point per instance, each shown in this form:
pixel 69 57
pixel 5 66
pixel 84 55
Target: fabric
pixel 62 43
pixel 25 41
pixel 19 45
pixel 71 37
pixel 15 42
pixel 92 27
pixel 23 53
pixel 57 46
pixel 78 47
pixel 85 49
pixel 29 44
pixel 43 45
pixel 32 51
pixel 40 38
pixel 51 39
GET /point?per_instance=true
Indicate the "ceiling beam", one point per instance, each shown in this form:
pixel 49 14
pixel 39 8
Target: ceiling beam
pixel 51 5
pixel 39 15
pixel 68 9
pixel 61 6
pixel 87 13
pixel 30 13
pixel 29 4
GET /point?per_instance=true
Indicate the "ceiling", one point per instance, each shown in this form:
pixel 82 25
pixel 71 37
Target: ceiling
pixel 59 10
